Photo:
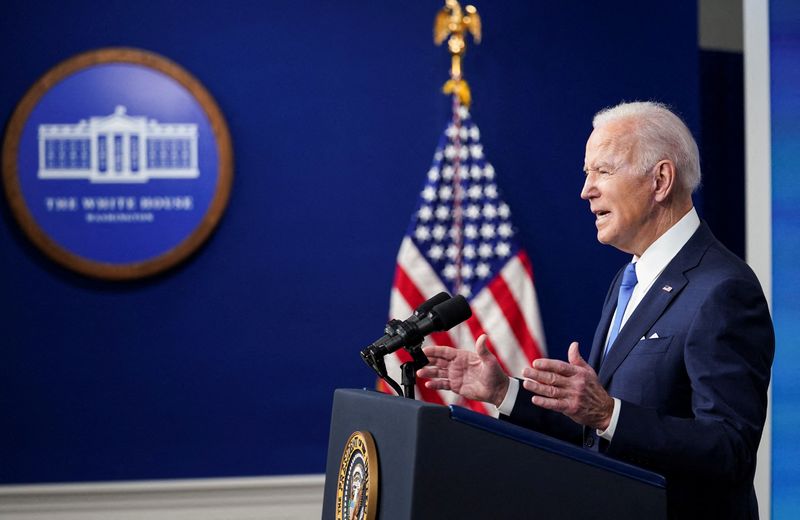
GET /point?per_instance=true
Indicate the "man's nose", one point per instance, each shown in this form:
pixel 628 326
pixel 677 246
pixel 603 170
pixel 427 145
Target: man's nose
pixel 589 190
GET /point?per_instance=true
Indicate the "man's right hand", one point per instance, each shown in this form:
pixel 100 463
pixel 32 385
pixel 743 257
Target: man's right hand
pixel 474 375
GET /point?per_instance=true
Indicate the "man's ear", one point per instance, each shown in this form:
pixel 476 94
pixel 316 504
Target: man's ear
pixel 665 180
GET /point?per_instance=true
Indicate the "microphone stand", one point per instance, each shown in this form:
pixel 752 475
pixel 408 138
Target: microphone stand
pixel 409 369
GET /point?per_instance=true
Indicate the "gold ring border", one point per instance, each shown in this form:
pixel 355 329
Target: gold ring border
pixel 372 468
pixel 102 270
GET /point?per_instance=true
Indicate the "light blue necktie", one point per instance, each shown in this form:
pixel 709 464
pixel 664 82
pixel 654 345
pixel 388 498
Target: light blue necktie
pixel 629 281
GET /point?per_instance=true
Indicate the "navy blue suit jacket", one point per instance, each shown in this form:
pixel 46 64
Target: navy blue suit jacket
pixel 694 400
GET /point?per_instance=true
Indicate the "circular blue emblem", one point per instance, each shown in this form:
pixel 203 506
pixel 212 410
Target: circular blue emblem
pixel 117 163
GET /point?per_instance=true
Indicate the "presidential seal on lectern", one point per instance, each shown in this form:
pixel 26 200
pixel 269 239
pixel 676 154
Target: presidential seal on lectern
pixel 357 485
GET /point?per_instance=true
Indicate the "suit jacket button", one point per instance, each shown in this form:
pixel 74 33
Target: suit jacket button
pixel 589 442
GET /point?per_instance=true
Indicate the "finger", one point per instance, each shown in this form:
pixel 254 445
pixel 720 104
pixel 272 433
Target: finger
pixel 435 351
pixel 438 384
pixel 554 365
pixel 543 390
pixel 480 346
pixel 431 372
pixel 549 403
pixel 544 377
pixel 574 356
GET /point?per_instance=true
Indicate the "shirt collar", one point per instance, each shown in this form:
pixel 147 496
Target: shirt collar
pixel 663 250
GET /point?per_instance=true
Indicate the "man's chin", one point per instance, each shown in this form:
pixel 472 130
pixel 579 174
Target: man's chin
pixel 603 238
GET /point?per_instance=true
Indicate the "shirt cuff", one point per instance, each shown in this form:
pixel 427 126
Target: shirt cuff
pixel 608 433
pixel 507 405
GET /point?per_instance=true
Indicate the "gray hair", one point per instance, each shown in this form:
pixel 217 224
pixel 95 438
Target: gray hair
pixel 660 134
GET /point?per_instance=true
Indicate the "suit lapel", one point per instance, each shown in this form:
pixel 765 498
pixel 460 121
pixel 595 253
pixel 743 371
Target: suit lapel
pixel 647 312
pixel 652 306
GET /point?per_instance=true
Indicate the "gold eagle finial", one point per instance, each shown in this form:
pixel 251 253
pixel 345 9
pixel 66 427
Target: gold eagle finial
pixel 451 24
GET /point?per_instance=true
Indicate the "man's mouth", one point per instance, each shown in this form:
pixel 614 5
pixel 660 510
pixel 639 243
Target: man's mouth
pixel 601 214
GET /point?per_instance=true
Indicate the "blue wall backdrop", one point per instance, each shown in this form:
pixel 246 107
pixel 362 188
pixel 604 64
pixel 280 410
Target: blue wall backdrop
pixel 785 84
pixel 226 365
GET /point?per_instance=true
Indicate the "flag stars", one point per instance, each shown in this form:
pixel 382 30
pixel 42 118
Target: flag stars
pixel 449 152
pixel 429 193
pixel 471 231
pixel 503 249
pixel 476 150
pixel 465 290
pixel 505 230
pixel 438 232
pixel 466 271
pixel 489 211
pixel 485 250
pixel 451 131
pixel 482 270
pixel 473 211
pixel 436 252
pixel 447 172
pixel 475 192
pixel 422 233
pixel 463 134
pixel 450 271
pixel 491 191
pixel 476 172
pixel 504 211
pixel 433 174
pixel 474 133
pixel 463 153
pixel 452 251
pixel 425 213
pixel 445 193
pixel 463 113
pixel 488 171
pixel 442 212
pixel 469 252
pixel 487 231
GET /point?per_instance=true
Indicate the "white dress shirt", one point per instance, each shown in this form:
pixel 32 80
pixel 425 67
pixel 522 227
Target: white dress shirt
pixel 648 267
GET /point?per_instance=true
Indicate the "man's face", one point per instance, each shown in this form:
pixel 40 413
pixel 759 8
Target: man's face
pixel 620 196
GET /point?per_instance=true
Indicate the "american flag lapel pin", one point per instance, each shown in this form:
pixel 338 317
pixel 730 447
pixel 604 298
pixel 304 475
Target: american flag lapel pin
pixel 667 288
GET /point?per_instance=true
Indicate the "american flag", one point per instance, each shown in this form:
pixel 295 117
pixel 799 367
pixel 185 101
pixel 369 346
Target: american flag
pixel 461 240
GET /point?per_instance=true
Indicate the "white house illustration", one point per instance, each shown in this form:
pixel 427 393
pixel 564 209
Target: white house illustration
pixel 118 148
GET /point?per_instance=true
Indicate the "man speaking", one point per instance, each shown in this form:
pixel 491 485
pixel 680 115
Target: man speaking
pixel 680 363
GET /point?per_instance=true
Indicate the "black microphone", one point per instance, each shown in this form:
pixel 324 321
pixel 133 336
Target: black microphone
pixel 419 313
pixel 443 316
pixel 428 305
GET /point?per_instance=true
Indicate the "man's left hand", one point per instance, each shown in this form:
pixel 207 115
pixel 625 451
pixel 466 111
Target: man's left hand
pixel 570 388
